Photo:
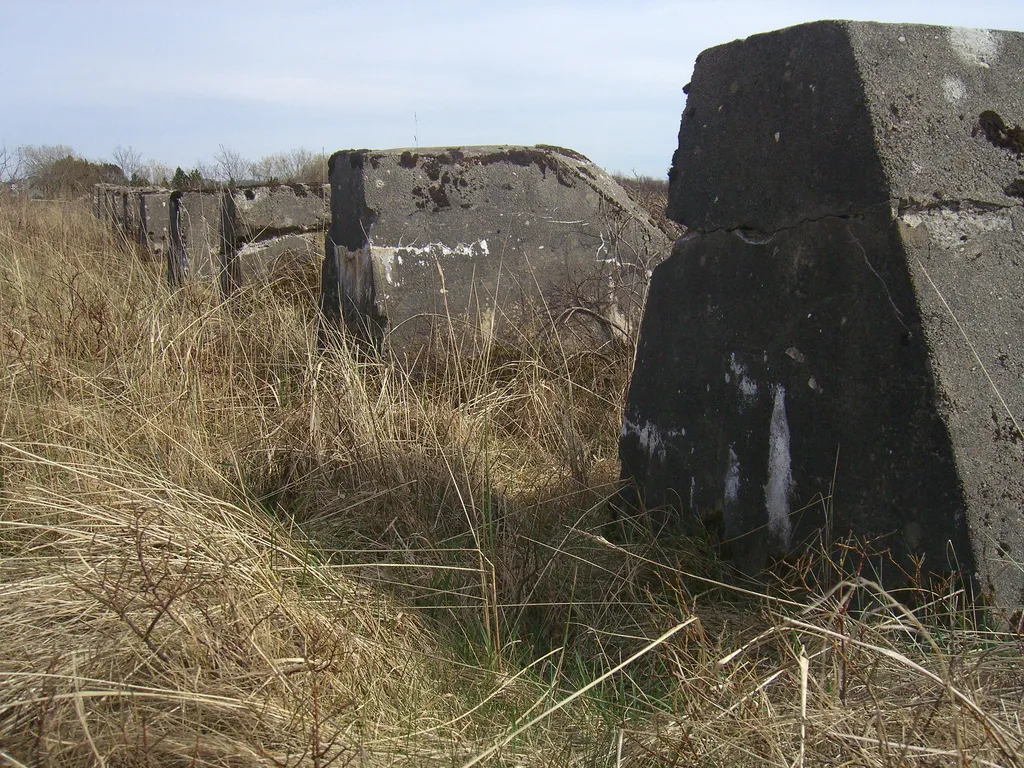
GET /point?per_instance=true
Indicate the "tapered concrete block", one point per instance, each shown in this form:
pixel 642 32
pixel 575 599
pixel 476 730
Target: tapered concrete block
pixel 835 345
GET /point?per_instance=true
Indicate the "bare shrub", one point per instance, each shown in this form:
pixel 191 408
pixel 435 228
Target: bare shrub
pixel 652 195
pixel 298 165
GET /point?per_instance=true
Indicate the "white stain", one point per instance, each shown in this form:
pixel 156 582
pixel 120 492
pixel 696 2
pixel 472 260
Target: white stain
pixel 650 436
pixel 953 88
pixel 746 385
pixel 780 472
pixel 732 479
pixel 389 254
pixel 954 229
pixel 979 47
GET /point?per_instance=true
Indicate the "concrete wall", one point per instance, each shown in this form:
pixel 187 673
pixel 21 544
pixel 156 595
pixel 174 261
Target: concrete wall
pixel 471 243
pixel 843 319
pixel 228 237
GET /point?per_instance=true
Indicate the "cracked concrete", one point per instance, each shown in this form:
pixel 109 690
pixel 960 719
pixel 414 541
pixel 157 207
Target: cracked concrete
pixel 855 243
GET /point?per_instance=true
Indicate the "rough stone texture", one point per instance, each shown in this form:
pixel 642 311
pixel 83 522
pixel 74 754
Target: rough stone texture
pixel 234 237
pixel 845 314
pixel 477 243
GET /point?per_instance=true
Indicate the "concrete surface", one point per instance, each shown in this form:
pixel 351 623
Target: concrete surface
pixel 476 243
pixel 155 222
pixel 835 346
pixel 242 236
pixel 268 229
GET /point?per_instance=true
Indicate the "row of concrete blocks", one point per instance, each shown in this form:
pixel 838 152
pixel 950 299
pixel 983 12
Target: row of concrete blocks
pixel 478 244
pixel 233 236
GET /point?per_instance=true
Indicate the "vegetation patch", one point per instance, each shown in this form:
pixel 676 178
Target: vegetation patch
pixel 221 545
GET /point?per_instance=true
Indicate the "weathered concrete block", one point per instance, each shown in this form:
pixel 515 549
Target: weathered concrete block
pixel 155 221
pixel 200 220
pixel 263 212
pixel 511 241
pixel 843 321
pixel 265 260
pixel 267 228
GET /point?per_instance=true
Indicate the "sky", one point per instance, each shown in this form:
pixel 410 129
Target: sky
pixel 177 80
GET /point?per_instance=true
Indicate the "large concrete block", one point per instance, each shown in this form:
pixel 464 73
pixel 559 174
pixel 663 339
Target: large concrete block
pixel 511 241
pixel 835 345
pixel 273 210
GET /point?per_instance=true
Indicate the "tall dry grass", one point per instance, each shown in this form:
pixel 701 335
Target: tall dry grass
pixel 222 546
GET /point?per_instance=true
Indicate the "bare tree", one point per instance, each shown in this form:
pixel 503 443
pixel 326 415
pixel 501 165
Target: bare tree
pixel 129 160
pixel 297 165
pixel 55 171
pixel 230 165
pixel 155 172
pixel 10 167
pixel 38 159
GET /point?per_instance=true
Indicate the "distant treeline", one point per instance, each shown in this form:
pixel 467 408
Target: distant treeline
pixel 58 172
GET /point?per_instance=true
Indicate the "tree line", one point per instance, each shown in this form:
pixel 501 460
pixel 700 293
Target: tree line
pixel 58 172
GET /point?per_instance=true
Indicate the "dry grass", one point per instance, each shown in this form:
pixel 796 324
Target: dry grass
pixel 219 546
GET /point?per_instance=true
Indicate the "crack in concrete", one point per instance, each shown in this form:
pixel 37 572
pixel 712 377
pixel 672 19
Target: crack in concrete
pixel 898 207
pixel 968 207
pixel 892 303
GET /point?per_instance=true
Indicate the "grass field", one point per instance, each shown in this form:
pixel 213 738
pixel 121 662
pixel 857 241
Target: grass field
pixel 222 546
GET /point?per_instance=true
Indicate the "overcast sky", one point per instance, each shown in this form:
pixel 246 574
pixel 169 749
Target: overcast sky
pixel 178 78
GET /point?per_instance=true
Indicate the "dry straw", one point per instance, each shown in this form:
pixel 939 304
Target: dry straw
pixel 220 545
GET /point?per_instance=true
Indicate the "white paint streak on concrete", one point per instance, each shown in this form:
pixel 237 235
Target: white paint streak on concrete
pixel 389 254
pixel 747 387
pixel 953 88
pixel 780 472
pixel 978 47
pixel 732 479
pixel 650 436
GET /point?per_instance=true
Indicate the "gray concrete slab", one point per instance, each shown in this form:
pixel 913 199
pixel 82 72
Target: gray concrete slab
pixel 200 232
pixel 265 229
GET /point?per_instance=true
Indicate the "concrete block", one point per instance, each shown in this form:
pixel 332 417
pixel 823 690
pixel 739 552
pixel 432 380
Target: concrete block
pixel 843 320
pixel 266 228
pixel 266 260
pixel 200 220
pixel 154 221
pixel 503 240
pixel 266 211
